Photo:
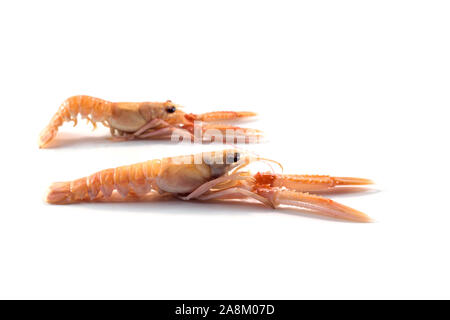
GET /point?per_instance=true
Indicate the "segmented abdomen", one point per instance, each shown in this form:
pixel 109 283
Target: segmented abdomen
pixel 137 179
pixel 94 109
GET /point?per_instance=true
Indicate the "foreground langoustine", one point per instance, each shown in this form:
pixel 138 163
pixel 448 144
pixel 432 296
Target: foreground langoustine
pixel 140 120
pixel 209 176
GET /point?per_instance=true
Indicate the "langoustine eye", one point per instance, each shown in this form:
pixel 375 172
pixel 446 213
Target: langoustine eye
pixel 233 157
pixel 171 109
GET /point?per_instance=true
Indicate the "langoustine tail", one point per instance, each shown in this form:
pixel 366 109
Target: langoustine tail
pixel 50 131
pixel 59 193
pixel 94 109
pixel 127 181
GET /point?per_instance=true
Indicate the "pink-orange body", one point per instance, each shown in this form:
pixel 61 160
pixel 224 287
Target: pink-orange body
pixel 209 176
pixel 135 119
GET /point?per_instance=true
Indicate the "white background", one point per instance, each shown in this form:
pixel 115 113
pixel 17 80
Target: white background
pixel 353 88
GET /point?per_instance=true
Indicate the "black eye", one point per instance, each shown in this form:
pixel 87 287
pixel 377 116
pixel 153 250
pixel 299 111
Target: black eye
pixel 171 109
pixel 233 158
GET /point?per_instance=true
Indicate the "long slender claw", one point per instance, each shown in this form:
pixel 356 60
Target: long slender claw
pixel 224 115
pixel 344 190
pixel 345 181
pixel 320 205
pixel 308 183
pixel 231 134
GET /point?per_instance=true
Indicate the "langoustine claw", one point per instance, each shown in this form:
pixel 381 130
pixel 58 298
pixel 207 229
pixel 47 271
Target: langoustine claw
pixel 210 176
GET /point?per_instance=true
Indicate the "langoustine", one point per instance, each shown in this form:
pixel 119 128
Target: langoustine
pixel 210 176
pixel 141 120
